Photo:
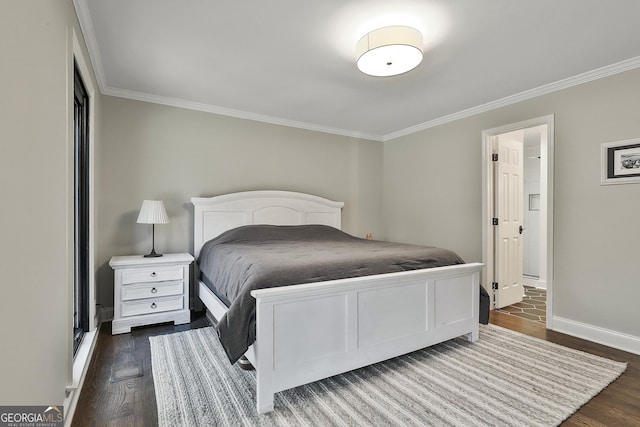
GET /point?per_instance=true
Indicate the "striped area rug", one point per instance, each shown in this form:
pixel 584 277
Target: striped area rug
pixel 505 379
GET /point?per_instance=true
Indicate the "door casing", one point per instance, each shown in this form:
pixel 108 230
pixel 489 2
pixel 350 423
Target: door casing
pixel 546 181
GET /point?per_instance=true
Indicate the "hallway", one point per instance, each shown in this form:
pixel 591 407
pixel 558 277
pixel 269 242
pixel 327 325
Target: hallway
pixel 533 305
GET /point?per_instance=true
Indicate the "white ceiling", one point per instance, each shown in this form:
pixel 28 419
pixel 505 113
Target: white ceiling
pixel 292 62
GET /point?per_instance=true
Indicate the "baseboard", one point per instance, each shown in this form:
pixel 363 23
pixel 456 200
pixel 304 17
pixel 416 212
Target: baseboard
pixel 597 334
pixel 536 283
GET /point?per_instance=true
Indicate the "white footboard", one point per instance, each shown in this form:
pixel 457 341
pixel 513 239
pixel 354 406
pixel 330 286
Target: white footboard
pixel 309 332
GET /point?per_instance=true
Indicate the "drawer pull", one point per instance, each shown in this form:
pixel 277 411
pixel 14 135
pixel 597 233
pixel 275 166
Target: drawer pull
pixel 154 290
pixel 153 305
pixel 153 274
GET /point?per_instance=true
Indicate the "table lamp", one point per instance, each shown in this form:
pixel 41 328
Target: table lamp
pixel 152 212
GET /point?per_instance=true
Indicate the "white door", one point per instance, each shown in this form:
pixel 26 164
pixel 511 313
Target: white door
pixel 509 183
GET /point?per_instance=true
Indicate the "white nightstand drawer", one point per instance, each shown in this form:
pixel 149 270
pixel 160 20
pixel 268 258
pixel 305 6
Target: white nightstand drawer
pixel 151 290
pixel 151 274
pixel 155 305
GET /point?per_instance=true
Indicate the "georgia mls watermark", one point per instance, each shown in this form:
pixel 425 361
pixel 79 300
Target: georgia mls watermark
pixel 31 416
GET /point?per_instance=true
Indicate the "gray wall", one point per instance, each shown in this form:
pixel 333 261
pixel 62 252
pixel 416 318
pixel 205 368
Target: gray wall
pixel 432 194
pixel 152 151
pixel 36 179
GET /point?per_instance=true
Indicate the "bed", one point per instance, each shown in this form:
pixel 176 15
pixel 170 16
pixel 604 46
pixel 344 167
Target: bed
pixel 309 331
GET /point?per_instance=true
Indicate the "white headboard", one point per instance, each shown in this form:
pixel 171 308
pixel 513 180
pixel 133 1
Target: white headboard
pixel 215 215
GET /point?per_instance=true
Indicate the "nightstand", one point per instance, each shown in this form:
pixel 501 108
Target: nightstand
pixel 150 290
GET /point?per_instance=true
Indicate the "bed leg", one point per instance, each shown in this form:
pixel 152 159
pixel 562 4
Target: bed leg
pixel 264 351
pixel 472 336
pixel 264 402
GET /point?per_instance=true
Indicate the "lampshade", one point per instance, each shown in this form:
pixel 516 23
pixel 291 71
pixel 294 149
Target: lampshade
pixel 152 212
pixel 389 51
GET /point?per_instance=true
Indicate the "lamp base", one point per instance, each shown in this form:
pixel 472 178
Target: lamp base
pixel 152 254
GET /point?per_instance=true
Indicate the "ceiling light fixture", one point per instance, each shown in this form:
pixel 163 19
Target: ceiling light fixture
pixel 389 51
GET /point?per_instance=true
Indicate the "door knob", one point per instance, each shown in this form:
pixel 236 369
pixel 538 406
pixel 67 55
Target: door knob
pixel 520 229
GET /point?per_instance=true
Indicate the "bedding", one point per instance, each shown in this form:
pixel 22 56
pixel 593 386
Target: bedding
pixel 263 256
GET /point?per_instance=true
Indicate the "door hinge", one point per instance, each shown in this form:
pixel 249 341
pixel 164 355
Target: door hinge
pixel 494 221
pixel 494 157
pixel 494 286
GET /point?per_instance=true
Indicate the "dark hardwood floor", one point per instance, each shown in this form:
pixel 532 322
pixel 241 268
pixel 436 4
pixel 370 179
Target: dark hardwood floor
pixel 128 402
pixel 132 402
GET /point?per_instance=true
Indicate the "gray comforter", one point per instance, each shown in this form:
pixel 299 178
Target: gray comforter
pixel 265 256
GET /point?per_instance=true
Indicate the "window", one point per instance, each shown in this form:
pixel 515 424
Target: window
pixel 81 210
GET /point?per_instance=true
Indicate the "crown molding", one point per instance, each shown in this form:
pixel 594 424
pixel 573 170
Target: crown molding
pixel 579 79
pixel 208 108
pixel 599 73
pixel 86 26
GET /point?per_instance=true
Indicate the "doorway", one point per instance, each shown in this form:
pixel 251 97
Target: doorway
pixel 517 216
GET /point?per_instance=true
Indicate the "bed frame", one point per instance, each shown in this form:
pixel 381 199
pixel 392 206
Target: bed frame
pixel 308 332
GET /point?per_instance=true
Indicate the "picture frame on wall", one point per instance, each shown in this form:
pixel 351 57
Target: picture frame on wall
pixel 620 162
